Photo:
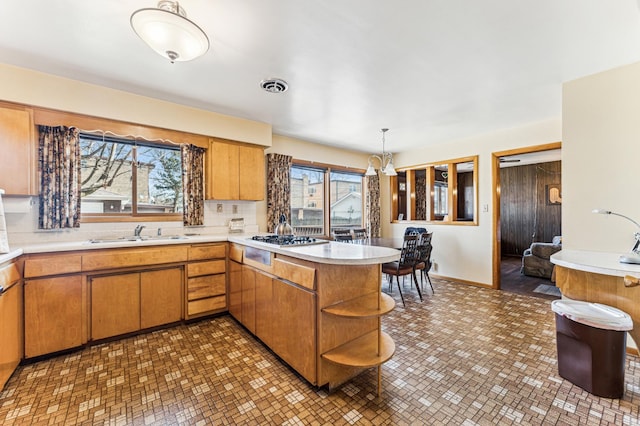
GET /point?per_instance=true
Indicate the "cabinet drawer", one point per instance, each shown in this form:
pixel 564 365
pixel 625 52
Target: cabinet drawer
pixel 209 251
pixel 299 274
pixel 206 268
pixel 206 286
pixel 9 274
pixel 117 258
pixel 206 305
pixel 235 253
pixel 52 265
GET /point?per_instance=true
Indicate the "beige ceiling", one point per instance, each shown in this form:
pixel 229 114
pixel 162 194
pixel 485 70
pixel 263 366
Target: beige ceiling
pixel 430 70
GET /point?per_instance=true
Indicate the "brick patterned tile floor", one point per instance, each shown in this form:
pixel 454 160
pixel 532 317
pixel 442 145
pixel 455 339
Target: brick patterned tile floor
pixel 465 356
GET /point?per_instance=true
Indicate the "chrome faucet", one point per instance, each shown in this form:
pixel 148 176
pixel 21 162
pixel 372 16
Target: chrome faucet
pixel 138 230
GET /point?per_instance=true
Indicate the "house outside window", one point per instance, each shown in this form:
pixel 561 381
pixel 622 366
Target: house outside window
pixel 323 199
pixel 126 178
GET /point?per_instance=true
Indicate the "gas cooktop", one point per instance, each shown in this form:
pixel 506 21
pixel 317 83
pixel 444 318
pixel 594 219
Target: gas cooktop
pixel 287 240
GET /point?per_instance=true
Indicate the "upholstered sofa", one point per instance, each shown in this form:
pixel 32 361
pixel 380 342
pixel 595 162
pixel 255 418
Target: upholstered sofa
pixel 535 259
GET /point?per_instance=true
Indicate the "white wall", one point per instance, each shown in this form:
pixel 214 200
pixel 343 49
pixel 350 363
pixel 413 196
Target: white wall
pixel 465 252
pixel 601 159
pixel 45 90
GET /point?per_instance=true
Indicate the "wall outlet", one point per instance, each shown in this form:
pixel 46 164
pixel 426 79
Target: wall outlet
pixel 234 209
pixel 485 208
pixel 219 207
pixel 434 265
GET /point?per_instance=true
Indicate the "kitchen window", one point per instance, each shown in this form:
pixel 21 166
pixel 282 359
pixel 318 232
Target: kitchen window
pixel 126 178
pixel 324 198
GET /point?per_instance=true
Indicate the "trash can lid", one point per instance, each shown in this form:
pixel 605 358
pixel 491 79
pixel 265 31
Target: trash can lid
pixel 593 314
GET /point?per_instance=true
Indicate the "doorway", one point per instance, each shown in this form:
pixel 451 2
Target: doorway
pixel 497 158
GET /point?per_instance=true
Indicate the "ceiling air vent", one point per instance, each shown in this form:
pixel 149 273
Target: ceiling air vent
pixel 274 85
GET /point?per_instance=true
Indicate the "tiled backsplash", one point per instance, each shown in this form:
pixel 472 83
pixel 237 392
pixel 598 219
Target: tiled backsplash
pixel 21 215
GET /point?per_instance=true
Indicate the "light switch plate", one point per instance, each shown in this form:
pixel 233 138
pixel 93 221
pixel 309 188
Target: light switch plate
pixel 219 208
pixel 234 209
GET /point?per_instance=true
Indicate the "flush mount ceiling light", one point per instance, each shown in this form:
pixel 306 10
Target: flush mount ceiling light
pixel 274 85
pixel 386 161
pixel 167 30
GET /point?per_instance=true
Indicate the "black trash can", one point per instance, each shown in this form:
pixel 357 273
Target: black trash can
pixel 591 341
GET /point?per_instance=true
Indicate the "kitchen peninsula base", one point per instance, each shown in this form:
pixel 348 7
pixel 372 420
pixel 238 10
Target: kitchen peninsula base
pixel 333 332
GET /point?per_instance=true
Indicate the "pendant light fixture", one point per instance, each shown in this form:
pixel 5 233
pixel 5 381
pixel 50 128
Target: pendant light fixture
pixel 167 30
pixel 386 161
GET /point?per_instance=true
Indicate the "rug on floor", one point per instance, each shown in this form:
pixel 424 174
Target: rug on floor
pixel 551 290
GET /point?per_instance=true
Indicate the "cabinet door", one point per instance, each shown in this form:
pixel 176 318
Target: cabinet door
pixel 251 173
pixel 160 297
pixel 249 298
pixel 235 290
pixel 47 327
pixel 18 159
pixel 264 304
pixel 115 305
pixel 223 171
pixel 294 327
pixel 10 332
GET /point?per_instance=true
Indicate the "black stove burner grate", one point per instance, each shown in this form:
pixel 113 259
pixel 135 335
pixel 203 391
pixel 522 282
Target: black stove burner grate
pixel 285 240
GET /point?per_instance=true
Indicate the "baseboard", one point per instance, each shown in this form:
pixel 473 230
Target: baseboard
pixel 458 280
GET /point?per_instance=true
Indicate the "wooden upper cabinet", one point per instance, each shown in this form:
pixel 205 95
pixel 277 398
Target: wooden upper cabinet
pixel 18 167
pixel 252 173
pixel 235 172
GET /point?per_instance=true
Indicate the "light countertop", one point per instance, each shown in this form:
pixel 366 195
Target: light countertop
pixel 6 257
pixel 330 252
pixel 596 262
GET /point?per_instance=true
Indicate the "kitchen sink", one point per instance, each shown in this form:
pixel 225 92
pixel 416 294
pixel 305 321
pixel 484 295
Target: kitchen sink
pixel 138 239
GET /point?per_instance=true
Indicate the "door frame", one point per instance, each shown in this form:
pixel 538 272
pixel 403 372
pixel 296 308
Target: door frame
pixel 495 190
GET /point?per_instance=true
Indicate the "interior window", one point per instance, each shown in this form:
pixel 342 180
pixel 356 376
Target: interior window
pixel 443 192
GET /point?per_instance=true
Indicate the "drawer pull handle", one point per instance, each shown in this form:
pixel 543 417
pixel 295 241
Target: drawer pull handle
pixel 630 281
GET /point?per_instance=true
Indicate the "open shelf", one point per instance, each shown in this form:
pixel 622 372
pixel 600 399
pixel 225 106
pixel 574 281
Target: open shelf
pixel 363 351
pixel 363 307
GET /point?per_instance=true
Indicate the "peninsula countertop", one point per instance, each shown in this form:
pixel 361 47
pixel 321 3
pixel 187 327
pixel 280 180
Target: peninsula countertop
pixel 328 252
pixel 604 263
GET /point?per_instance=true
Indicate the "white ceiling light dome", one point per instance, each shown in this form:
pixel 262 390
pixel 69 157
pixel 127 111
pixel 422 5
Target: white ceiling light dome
pixel 167 30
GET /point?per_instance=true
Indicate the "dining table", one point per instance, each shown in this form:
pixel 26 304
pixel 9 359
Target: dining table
pixel 395 243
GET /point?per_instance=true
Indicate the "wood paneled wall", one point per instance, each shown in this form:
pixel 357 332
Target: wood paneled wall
pixel 525 215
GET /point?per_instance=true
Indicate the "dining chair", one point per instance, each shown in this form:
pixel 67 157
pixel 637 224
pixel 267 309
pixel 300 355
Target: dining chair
pixel 405 265
pixel 342 235
pixel 410 230
pixel 360 235
pixel 423 259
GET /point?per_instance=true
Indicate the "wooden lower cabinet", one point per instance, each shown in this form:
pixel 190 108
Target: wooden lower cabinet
pixel 280 313
pixel 293 327
pixel 206 280
pixel 160 297
pixel 115 305
pixel 10 322
pixel 53 315
pixel 264 308
pixel 124 303
pixel 235 290
pixel 248 316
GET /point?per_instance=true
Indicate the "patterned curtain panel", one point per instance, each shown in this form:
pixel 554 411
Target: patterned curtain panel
pixel 278 188
pixel 193 184
pixel 59 174
pixel 373 205
pixel 421 197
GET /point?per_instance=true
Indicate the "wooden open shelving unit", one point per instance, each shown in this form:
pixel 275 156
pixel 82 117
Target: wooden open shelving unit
pixel 371 348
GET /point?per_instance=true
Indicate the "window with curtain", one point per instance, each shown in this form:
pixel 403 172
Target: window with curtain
pixel 323 198
pixel 122 177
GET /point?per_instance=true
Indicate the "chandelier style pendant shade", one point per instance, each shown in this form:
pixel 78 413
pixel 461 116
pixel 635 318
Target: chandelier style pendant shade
pixel 386 161
pixel 167 30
